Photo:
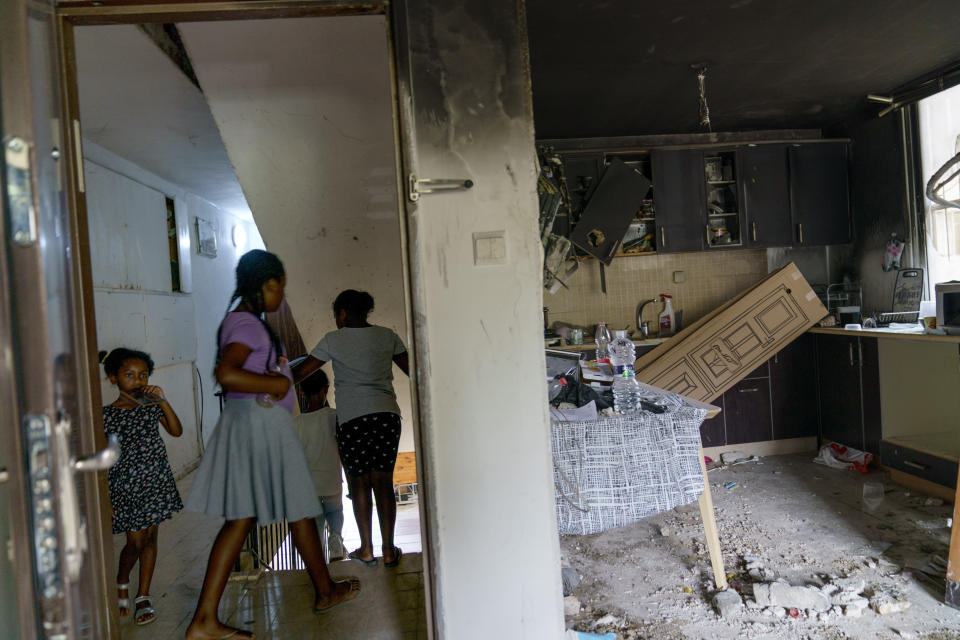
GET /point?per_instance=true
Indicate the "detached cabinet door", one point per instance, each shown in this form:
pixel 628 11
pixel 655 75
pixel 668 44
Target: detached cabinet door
pixel 819 193
pixel 678 195
pixel 841 418
pixel 766 196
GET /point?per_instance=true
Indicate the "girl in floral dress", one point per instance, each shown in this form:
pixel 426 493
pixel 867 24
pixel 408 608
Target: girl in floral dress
pixel 142 489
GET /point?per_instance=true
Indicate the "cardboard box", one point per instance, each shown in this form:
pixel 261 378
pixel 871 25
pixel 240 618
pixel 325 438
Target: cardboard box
pixel 717 351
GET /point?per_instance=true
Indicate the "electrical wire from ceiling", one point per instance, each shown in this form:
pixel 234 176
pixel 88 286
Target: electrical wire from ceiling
pixel 702 85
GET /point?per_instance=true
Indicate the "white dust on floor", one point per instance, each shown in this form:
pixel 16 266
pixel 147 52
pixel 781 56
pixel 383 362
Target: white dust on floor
pixel 790 520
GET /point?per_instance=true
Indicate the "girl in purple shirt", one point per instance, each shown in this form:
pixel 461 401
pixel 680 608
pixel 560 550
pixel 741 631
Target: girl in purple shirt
pixel 254 469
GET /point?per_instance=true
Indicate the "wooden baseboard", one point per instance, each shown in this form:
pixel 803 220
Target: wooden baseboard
pixel 767 447
pixel 920 485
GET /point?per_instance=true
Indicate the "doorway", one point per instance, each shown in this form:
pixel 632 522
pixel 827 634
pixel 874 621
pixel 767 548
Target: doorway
pixel 352 239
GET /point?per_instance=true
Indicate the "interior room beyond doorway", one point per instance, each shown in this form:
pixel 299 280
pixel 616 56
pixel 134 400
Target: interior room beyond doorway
pixel 270 150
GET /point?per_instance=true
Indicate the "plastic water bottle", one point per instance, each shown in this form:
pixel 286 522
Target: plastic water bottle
pixel 602 338
pixel 626 390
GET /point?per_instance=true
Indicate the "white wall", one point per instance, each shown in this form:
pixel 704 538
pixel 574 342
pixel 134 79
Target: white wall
pixel 304 109
pixel 134 304
pixel 479 327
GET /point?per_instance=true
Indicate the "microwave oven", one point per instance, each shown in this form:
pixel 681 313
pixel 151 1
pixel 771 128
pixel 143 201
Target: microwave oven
pixel 948 306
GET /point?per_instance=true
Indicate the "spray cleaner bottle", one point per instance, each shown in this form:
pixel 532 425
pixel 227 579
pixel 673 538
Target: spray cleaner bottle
pixel 668 322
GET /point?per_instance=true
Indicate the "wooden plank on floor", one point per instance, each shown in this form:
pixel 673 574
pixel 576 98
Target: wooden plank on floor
pixel 405 472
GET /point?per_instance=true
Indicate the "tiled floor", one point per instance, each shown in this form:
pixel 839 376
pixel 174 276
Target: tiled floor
pixel 279 604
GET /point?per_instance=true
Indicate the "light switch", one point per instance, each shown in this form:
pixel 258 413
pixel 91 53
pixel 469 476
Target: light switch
pixel 489 248
pixel 679 276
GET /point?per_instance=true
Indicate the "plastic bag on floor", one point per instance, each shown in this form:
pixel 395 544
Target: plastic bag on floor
pixel 583 635
pixel 839 456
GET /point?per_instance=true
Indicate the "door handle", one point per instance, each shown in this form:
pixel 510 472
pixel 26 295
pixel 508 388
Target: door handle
pixel 753 231
pixel 850 345
pixel 800 232
pixel 748 390
pixel 101 460
pixel 916 465
pixel 663 237
pixel 707 229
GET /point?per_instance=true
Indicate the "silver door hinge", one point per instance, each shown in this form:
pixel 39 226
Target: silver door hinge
pixel 23 216
pixel 419 186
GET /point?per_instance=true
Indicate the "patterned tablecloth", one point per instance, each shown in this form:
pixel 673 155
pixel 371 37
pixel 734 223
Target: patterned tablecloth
pixel 617 470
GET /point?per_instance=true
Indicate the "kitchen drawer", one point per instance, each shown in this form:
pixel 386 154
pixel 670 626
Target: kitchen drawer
pixel 942 471
pixel 746 412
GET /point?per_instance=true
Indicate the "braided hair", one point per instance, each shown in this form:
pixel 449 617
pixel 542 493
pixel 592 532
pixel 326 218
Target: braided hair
pixel 255 269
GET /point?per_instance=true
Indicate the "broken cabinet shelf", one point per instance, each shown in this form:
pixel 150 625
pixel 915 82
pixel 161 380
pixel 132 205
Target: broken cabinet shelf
pixel 620 254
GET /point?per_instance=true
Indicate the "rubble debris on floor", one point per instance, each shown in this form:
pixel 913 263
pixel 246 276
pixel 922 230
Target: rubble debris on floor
pixel 805 558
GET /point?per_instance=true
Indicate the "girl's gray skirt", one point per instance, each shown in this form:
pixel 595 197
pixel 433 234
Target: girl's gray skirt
pixel 254 467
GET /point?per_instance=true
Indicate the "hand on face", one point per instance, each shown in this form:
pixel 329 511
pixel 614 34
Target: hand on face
pixel 154 391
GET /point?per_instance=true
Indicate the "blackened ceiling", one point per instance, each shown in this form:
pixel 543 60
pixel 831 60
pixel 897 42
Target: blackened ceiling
pixel 623 67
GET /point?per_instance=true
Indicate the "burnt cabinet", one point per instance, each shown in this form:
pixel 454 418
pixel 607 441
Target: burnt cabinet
pixel 849 391
pixel 765 188
pixel 678 194
pixel 819 193
pixel 713 430
pixel 747 408
pixel 793 389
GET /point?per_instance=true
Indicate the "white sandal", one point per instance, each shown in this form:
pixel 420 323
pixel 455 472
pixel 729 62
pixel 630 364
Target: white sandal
pixel 142 611
pixel 124 603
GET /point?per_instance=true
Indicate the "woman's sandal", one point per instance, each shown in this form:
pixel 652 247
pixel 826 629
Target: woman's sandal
pixel 355 555
pixel 397 552
pixel 124 603
pixel 350 595
pixel 143 611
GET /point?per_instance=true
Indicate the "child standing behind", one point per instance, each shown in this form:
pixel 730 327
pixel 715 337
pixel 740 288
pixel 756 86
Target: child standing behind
pixel 142 489
pixel 317 428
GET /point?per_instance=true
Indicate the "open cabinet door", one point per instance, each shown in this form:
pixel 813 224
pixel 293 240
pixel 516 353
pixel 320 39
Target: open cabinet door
pixel 51 513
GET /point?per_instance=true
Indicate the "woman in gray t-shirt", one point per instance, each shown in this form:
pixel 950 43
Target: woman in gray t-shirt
pixel 368 417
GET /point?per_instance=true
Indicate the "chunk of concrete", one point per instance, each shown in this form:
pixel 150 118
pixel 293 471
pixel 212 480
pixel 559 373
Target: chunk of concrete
pixel 727 602
pixel 778 594
pixel 571 606
pixel 732 456
pixel 570 580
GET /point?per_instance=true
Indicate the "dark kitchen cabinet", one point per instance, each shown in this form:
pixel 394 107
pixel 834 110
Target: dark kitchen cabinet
pixel 678 195
pixel 582 173
pixel 793 389
pixel 765 188
pixel 712 431
pixel 747 409
pixel 819 193
pixel 849 391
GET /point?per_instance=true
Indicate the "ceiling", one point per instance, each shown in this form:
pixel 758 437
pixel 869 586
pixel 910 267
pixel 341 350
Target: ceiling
pixel 135 102
pixel 599 68
pixel 623 67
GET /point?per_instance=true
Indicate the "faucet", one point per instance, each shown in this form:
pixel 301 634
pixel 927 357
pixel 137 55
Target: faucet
pixel 644 327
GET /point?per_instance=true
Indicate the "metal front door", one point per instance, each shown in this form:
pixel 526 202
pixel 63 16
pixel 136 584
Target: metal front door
pixel 50 508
